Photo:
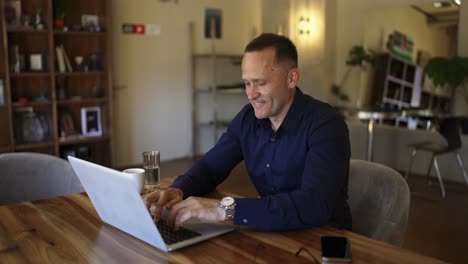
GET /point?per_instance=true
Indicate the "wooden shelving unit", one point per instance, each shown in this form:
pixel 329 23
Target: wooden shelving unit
pixel 397 84
pixel 56 96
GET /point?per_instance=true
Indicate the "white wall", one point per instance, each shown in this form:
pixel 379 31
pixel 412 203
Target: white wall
pixel 382 22
pixel 152 104
pixel 350 31
pixel 275 16
pixel 461 107
pixel 463 30
pixel 311 47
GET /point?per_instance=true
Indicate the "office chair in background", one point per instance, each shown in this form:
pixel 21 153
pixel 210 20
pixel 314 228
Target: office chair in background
pixel 28 176
pixel 449 128
pixel 379 199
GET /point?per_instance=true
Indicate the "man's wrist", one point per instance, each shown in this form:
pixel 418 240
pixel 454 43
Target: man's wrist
pixel 228 206
pixel 222 214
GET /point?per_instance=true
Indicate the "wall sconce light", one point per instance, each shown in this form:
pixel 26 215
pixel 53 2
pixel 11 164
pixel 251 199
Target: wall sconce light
pixel 304 26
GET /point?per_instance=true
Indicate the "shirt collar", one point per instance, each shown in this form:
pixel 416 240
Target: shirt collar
pixel 293 118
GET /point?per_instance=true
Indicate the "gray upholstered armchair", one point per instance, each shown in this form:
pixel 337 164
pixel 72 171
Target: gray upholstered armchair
pixel 32 176
pixel 379 199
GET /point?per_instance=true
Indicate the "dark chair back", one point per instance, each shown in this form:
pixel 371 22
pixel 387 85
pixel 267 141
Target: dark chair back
pixel 450 130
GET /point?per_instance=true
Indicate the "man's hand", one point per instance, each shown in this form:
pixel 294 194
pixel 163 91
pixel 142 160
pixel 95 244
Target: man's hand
pixel 163 198
pixel 201 208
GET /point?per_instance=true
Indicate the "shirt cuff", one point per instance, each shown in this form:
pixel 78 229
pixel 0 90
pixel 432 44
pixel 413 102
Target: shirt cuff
pixel 247 212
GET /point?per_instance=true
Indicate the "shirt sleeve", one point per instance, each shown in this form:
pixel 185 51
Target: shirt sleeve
pixel 323 186
pixel 213 168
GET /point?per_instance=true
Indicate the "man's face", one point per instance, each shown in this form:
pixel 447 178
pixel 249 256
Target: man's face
pixel 269 85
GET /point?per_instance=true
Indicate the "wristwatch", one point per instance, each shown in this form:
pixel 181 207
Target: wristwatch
pixel 228 204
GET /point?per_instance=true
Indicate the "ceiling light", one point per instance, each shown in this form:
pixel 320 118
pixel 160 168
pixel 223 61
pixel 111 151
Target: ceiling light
pixel 457 2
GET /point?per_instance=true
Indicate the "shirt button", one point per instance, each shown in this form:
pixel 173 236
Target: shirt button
pixel 245 221
pixel 268 165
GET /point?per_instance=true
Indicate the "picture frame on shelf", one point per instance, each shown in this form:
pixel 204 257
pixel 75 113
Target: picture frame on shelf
pixel 91 121
pixel 90 23
pixel 67 124
pixel 36 62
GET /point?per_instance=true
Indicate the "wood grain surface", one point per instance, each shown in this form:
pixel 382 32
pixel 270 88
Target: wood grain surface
pixel 67 229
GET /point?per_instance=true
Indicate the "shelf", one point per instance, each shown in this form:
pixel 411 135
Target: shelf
pixel 34 146
pixel 240 90
pixel 29 74
pixel 16 104
pixel 79 139
pixel 399 81
pixel 78 33
pixel 26 30
pixel 5 149
pixel 217 55
pixel 78 74
pixel 391 101
pixel 82 101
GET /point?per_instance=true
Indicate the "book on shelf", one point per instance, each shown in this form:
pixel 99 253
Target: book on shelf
pixel 67 60
pixel 60 59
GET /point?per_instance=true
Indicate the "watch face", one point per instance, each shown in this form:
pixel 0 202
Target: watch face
pixel 227 201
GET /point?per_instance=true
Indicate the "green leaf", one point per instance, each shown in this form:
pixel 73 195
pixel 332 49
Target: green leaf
pixel 447 71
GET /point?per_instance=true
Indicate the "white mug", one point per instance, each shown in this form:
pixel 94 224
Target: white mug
pixel 137 175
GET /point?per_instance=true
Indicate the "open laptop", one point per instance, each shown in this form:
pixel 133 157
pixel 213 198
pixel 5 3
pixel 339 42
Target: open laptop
pixel 119 204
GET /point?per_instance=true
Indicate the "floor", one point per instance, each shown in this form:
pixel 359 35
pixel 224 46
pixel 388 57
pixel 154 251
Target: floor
pixel 437 228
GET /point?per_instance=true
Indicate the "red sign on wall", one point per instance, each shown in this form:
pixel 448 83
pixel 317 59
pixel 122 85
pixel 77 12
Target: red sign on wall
pixel 139 28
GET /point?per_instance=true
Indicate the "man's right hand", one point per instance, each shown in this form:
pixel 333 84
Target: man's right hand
pixel 163 198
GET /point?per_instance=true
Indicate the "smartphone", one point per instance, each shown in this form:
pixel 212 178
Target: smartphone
pixel 335 248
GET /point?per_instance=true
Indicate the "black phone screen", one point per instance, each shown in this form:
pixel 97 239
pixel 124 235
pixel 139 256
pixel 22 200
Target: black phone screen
pixel 335 249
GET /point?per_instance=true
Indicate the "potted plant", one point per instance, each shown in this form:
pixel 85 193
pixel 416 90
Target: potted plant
pixel 452 72
pixel 357 57
pixel 61 8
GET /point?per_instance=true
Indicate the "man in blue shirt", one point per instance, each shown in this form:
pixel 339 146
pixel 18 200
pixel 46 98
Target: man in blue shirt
pixel 296 150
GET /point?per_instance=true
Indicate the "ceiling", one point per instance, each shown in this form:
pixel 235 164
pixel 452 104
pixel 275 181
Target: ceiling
pixel 439 17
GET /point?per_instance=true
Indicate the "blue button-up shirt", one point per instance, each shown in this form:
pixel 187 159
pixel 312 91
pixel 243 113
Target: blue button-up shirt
pixel 300 171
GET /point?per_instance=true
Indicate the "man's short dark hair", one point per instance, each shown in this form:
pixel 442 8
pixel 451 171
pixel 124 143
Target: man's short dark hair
pixel 284 47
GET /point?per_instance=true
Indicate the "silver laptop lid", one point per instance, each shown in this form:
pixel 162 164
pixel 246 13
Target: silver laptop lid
pixel 117 202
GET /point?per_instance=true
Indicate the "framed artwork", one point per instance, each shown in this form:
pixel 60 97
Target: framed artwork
pixel 36 62
pixel 67 124
pixel 213 23
pixel 91 121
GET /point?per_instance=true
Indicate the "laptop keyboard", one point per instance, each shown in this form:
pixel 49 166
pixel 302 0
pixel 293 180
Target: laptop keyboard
pixel 170 236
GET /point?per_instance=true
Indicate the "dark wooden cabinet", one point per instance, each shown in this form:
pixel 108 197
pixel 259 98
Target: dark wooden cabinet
pixel 397 84
pixel 44 102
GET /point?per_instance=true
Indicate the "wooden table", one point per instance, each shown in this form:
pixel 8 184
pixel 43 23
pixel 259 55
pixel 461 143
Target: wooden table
pixel 67 229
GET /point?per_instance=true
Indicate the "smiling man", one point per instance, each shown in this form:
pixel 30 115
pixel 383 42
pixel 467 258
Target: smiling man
pixel 296 150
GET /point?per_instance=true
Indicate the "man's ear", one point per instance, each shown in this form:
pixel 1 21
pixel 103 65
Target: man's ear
pixel 293 77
